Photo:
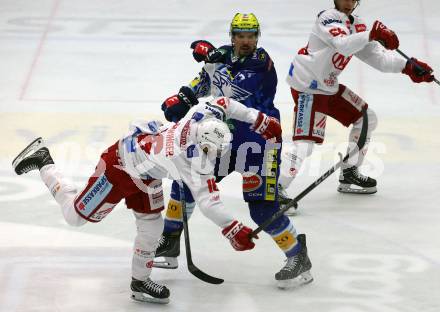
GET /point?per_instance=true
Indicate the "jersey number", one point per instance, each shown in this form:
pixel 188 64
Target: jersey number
pixel 337 31
pixel 212 187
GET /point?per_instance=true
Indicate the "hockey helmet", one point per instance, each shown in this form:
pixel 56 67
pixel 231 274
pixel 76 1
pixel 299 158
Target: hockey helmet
pixel 244 23
pixel 357 4
pixel 213 136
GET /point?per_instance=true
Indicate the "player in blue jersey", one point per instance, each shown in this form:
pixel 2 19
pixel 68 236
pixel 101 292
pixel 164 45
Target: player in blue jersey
pixel 246 73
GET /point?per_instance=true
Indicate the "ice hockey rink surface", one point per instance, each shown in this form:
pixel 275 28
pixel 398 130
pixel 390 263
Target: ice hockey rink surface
pixel 76 72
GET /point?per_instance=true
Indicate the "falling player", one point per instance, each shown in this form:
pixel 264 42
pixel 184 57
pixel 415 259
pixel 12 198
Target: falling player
pixel 313 77
pixel 133 168
pixel 247 74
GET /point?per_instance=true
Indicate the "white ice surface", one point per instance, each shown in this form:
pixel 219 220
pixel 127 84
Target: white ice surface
pixel 76 72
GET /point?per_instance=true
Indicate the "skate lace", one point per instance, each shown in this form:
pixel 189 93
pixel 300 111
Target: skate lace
pixel 150 285
pixel 162 241
pixel 29 168
pixel 291 263
pixel 359 175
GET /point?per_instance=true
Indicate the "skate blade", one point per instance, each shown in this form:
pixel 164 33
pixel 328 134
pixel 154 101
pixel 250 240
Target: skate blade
pixel 303 279
pixel 30 149
pixel 143 297
pixel 167 263
pixel 350 189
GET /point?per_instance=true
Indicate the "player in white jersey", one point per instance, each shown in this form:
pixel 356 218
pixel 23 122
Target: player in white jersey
pixel 133 168
pixel 336 37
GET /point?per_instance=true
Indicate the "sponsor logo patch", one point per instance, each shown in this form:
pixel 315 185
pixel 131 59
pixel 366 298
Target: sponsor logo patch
pixel 251 182
pixel 331 21
pixel 303 114
pixel 285 240
pixel 96 194
pixel 185 133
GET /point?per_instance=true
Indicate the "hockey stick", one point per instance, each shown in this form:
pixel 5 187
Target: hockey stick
pixel 294 202
pixel 415 64
pixel 191 267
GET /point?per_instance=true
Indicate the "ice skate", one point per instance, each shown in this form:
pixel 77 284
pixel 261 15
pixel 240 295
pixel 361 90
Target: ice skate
pixel 351 181
pixel 169 249
pixel 33 157
pixel 296 272
pixel 149 291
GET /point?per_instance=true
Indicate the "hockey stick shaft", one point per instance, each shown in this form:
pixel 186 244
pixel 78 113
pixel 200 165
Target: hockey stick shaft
pixel 360 144
pixel 191 266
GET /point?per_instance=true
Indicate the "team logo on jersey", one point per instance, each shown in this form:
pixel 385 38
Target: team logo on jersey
pixel 340 61
pixel 331 80
pixel 226 88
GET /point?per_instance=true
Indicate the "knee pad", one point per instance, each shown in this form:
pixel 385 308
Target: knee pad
pixel 372 121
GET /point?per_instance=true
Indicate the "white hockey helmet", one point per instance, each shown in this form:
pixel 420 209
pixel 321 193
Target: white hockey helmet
pixel 213 136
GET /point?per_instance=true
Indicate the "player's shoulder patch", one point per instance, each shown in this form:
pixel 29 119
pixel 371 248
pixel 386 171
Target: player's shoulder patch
pixel 359 24
pixel 262 55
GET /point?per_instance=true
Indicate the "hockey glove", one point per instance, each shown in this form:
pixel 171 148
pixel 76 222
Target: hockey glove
pixel 269 127
pixel 201 48
pixel 175 107
pixel 238 235
pixel 205 51
pixel 386 36
pixel 418 71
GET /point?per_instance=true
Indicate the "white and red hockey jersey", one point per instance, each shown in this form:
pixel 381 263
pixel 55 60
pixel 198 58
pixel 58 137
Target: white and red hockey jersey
pixel 333 42
pixel 170 151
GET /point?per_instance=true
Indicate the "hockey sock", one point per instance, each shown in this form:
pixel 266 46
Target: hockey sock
pixel 149 228
pixel 64 193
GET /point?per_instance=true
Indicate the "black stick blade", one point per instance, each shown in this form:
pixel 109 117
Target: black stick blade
pixel 203 276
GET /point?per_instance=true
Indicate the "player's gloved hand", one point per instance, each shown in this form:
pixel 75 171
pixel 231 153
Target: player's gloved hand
pixel 204 51
pixel 269 127
pixel 418 71
pixel 176 106
pixel 238 235
pixel 201 48
pixel 387 37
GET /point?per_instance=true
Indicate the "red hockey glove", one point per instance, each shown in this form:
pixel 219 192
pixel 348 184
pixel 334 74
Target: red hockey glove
pixel 268 127
pixel 420 73
pixel 238 236
pixel 201 48
pixel 386 36
pixel 176 106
